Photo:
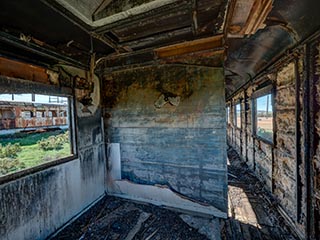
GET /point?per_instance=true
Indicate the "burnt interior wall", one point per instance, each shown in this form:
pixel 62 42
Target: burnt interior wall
pixel 315 135
pixel 289 166
pixel 37 204
pixel 170 123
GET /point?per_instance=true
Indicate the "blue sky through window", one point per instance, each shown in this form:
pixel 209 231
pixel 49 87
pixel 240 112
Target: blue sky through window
pixel 262 103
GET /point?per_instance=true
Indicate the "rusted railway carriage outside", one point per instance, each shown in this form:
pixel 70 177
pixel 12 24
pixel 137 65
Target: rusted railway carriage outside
pixel 21 115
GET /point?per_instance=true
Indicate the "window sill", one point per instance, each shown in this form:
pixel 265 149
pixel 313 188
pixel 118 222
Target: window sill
pixel 25 172
pixel 263 140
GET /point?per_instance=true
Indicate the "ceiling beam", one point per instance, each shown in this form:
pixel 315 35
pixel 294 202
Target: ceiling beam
pixel 186 52
pixel 190 46
pixel 100 8
pixel 83 25
pixel 199 54
pixel 39 50
pixel 157 39
pixel 145 13
pixel 258 15
pixel 10 68
pixel 246 17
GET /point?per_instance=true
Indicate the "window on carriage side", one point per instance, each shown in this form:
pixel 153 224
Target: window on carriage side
pixel 34 131
pixel 264 117
pixel 237 115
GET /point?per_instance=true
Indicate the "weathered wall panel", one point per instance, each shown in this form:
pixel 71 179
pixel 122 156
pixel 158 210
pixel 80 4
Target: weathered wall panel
pixel 36 205
pixel 285 164
pixel 282 165
pixel 249 131
pixel 316 137
pixel 181 146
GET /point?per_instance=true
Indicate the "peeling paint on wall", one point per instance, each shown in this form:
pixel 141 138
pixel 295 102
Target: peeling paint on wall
pixel 274 163
pixel 178 145
pixel 36 205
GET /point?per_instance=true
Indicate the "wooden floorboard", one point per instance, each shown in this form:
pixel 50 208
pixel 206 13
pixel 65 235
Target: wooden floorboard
pixel 250 214
pixel 251 217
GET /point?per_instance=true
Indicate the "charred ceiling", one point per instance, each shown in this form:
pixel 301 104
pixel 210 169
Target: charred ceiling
pixel 286 24
pixel 244 36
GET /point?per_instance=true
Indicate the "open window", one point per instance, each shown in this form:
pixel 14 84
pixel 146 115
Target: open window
pixel 40 132
pixel 263 116
pixel 237 115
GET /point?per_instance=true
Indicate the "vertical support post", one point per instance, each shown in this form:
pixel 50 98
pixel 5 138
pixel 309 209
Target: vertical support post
pixel 241 127
pixel 246 108
pixel 298 141
pixel 308 133
pixel 274 137
pixel 253 130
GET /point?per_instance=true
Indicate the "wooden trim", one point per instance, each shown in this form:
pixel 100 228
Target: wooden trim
pixel 190 46
pixel 11 68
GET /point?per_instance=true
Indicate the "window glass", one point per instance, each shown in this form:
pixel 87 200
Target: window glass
pixel 27 139
pixel 228 115
pixel 26 114
pixel 264 117
pixel 22 97
pixel 238 116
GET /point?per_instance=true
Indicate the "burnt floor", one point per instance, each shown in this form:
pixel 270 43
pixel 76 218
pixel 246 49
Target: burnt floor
pixel 252 211
pixel 252 215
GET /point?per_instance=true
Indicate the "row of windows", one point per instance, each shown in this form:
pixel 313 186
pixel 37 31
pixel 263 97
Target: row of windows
pixel 9 114
pixel 262 116
pixel 40 114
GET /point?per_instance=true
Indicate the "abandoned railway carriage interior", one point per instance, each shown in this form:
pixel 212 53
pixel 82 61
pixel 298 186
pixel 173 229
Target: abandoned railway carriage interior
pixel 159 119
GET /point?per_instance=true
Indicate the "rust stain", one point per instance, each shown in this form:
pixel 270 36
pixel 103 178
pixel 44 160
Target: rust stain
pixel 21 70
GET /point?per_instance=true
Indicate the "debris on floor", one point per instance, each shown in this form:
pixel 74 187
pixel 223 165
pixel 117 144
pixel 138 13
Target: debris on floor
pixel 252 216
pixel 115 218
pixel 252 211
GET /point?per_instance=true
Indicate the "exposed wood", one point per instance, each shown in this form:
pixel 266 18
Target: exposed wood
pixel 157 38
pixel 247 17
pixel 146 14
pixel 251 216
pixel 194 17
pixel 204 58
pixel 106 40
pixel 10 68
pixel 257 16
pixel 155 5
pixel 230 10
pixel 115 218
pixel 190 46
pixel 148 56
pixel 34 48
pixel 155 24
pixel 101 7
pixel 128 59
pixel 142 218
pixel 195 22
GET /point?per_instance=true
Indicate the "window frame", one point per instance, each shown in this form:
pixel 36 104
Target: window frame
pixel 18 86
pixel 268 90
pixel 235 115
